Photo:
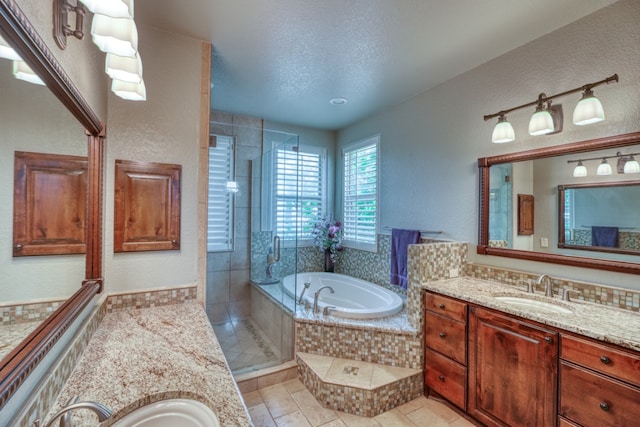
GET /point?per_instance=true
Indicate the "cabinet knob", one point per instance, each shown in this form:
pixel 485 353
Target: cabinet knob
pixel 441 306
pixel 442 335
pixel 605 360
pixel 441 378
pixel 605 406
pixel 548 339
pixel 18 247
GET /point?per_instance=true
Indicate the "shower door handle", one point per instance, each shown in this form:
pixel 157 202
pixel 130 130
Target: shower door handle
pixel 276 248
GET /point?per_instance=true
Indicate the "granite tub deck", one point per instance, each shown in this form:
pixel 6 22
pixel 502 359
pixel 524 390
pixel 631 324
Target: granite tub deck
pixel 607 324
pixel 140 356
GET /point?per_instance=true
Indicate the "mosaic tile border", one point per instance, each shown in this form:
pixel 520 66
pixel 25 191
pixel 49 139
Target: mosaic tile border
pixel 152 298
pixel 15 314
pixel 357 401
pixel 626 299
pixel 385 348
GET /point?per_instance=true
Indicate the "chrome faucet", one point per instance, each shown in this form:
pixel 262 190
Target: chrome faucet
pixel 101 411
pixel 548 290
pixel 273 256
pixel 306 286
pixel 317 294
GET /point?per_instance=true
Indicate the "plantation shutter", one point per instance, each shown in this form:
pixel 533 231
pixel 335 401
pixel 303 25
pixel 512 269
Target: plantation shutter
pixel 220 195
pixel 360 194
pixel 299 191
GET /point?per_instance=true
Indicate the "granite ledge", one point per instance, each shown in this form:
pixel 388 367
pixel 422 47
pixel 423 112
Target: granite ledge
pixel 603 323
pixel 141 356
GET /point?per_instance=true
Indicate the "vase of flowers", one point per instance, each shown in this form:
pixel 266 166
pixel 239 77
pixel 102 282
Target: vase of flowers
pixel 327 236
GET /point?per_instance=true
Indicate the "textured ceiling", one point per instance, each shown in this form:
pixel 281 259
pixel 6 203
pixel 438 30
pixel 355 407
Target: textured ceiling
pixel 283 60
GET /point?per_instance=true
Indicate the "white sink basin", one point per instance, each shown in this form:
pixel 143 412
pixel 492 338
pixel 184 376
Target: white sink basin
pixel 534 304
pixel 171 413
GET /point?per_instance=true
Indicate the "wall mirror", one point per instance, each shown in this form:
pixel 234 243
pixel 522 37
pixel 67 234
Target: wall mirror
pixel 52 119
pixel 546 177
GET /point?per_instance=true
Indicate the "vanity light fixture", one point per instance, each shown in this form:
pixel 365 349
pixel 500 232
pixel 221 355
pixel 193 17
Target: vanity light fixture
pixel 503 132
pixel 129 91
pixel 124 68
pixel 113 8
pixel 115 35
pixel 626 164
pixel 547 118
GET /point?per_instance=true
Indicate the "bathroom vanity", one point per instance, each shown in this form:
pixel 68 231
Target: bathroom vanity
pixel 503 360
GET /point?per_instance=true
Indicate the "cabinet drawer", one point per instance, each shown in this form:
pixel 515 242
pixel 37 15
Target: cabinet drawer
pixel 563 422
pixel 446 336
pixel 591 399
pixel 446 377
pixel 602 358
pixel 446 306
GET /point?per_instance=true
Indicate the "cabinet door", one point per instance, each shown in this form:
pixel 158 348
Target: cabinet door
pixel 512 371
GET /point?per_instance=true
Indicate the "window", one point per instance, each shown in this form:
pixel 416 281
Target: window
pixel 360 194
pixel 299 191
pixel 222 187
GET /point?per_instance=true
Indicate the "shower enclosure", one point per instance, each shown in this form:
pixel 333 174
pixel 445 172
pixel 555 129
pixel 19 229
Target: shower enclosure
pixel 250 313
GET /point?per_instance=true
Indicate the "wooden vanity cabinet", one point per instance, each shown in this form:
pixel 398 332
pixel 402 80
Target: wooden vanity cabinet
pixel 512 370
pixel 446 348
pixel 599 384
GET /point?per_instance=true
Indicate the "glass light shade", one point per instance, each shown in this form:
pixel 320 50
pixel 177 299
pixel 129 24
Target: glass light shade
pixel 23 72
pixel 604 168
pixel 124 68
pixel 631 166
pixel 580 171
pixel 7 51
pixel 503 132
pixel 129 91
pixel 115 35
pixel 541 122
pixel 113 8
pixel 589 110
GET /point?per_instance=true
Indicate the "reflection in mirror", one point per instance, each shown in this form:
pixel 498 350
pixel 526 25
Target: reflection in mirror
pixel 31 288
pixel 602 217
pixel 537 174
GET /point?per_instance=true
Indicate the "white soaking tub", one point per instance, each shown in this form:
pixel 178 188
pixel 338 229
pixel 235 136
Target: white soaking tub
pixel 353 298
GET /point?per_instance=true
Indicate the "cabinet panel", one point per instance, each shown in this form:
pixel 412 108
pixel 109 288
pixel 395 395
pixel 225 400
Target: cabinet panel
pixel 446 336
pixel 591 399
pixel 603 358
pixel 445 306
pixel 512 371
pixel 446 377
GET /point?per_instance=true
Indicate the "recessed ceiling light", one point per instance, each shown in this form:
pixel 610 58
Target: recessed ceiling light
pixel 338 101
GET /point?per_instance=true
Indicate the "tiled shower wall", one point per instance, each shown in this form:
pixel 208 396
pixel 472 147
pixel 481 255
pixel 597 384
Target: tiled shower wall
pixel 228 290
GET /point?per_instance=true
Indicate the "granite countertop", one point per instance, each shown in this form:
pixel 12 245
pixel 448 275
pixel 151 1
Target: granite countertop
pixel 140 356
pixel 607 324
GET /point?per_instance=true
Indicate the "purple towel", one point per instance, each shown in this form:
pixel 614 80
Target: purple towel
pixel 604 236
pixel 400 241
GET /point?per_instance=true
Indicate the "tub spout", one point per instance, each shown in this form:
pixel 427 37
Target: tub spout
pixel 317 294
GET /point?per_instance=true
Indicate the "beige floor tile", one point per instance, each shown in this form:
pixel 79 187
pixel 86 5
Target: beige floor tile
pixel 278 400
pixel 261 417
pixel 335 423
pixel 394 418
pixel 461 422
pixel 413 405
pixel 315 413
pixel 356 421
pixel 252 398
pixel 433 414
pixel 294 419
pixel 294 385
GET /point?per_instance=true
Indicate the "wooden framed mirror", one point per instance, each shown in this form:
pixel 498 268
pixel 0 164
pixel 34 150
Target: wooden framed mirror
pixel 15 367
pixel 552 253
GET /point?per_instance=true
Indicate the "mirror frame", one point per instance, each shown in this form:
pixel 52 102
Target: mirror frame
pixel 561 231
pixel 20 362
pixel 484 165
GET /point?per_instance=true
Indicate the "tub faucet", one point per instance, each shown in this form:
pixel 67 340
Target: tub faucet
pixel 317 294
pixel 548 289
pixel 273 256
pixel 101 411
pixel 306 286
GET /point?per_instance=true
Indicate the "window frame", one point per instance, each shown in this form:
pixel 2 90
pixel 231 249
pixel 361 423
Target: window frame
pixel 215 140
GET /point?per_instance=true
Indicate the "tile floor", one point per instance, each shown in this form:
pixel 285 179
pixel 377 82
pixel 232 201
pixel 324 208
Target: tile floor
pixel 290 404
pixel 245 346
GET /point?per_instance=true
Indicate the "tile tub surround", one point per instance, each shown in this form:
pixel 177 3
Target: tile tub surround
pixel 140 356
pixel 607 324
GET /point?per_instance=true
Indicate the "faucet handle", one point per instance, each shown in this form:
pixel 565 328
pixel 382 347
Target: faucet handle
pixel 327 309
pixel 528 284
pixel 567 292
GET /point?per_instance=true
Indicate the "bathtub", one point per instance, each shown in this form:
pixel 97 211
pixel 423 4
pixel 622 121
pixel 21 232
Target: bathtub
pixel 353 298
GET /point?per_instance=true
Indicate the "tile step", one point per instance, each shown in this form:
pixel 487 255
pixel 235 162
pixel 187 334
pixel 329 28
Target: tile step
pixel 360 388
